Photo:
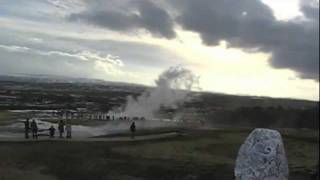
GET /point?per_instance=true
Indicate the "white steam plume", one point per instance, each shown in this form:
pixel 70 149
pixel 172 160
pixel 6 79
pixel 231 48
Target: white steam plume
pixel 172 88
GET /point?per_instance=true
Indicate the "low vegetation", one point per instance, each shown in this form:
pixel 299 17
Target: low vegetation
pixel 196 154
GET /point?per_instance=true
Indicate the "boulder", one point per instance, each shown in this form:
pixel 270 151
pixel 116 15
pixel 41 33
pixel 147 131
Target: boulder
pixel 262 157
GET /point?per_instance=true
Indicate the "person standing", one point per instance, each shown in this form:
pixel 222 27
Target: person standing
pixel 52 131
pixel 26 128
pixel 68 129
pixel 61 128
pixel 133 129
pixel 34 129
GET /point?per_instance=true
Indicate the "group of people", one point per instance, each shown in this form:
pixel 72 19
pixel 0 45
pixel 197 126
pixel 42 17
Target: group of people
pixel 62 127
pixel 33 127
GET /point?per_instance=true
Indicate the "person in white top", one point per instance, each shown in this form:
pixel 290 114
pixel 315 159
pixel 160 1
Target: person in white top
pixel 68 130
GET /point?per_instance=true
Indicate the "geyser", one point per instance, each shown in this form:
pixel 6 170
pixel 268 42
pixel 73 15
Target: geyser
pixel 172 88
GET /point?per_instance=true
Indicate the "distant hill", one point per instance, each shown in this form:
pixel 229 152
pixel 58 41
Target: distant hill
pixel 235 101
pixel 58 92
pixel 84 85
pixel 44 78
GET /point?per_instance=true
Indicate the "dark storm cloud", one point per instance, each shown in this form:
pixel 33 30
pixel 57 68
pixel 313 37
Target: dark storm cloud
pixel 246 24
pixel 138 14
pixel 250 25
pixel 310 11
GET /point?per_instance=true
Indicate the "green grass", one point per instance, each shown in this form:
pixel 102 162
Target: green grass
pixel 209 148
pixel 202 154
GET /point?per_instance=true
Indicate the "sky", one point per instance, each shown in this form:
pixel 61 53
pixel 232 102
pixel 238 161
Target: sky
pixel 243 47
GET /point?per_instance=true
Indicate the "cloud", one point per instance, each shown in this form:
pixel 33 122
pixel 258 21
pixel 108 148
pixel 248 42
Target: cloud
pixel 109 62
pixel 310 9
pixel 246 24
pixel 31 63
pixel 65 4
pixel 15 48
pixel 136 58
pixel 136 15
pixel 134 54
pixel 35 40
pixel 251 26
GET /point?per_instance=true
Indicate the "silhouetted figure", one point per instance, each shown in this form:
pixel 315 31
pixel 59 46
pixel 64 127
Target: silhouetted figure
pixel 68 129
pixel 26 128
pixel 52 131
pixel 133 130
pixel 34 129
pixel 202 122
pixel 61 128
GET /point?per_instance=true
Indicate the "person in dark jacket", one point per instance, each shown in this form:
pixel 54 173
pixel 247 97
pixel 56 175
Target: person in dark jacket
pixel 34 129
pixel 61 128
pixel 133 129
pixel 26 128
pixel 52 131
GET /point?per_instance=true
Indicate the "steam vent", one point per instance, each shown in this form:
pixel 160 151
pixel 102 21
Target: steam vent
pixel 262 157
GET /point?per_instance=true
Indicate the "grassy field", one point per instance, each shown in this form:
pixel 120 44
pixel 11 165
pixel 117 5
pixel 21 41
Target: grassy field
pixel 197 154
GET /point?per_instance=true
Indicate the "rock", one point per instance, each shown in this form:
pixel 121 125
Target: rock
pixel 262 157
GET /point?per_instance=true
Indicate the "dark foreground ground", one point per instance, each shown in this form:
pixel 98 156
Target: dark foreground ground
pixel 195 155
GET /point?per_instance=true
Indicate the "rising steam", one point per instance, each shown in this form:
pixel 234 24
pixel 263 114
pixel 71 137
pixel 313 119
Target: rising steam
pixel 172 88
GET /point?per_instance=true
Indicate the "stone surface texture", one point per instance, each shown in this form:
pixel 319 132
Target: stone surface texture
pixel 262 157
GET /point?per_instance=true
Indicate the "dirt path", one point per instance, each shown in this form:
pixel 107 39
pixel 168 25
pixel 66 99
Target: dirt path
pixel 85 139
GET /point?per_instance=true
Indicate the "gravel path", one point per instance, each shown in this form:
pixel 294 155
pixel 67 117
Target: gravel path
pixel 106 139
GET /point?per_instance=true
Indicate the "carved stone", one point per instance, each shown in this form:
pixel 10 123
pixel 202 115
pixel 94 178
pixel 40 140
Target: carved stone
pixel 262 157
